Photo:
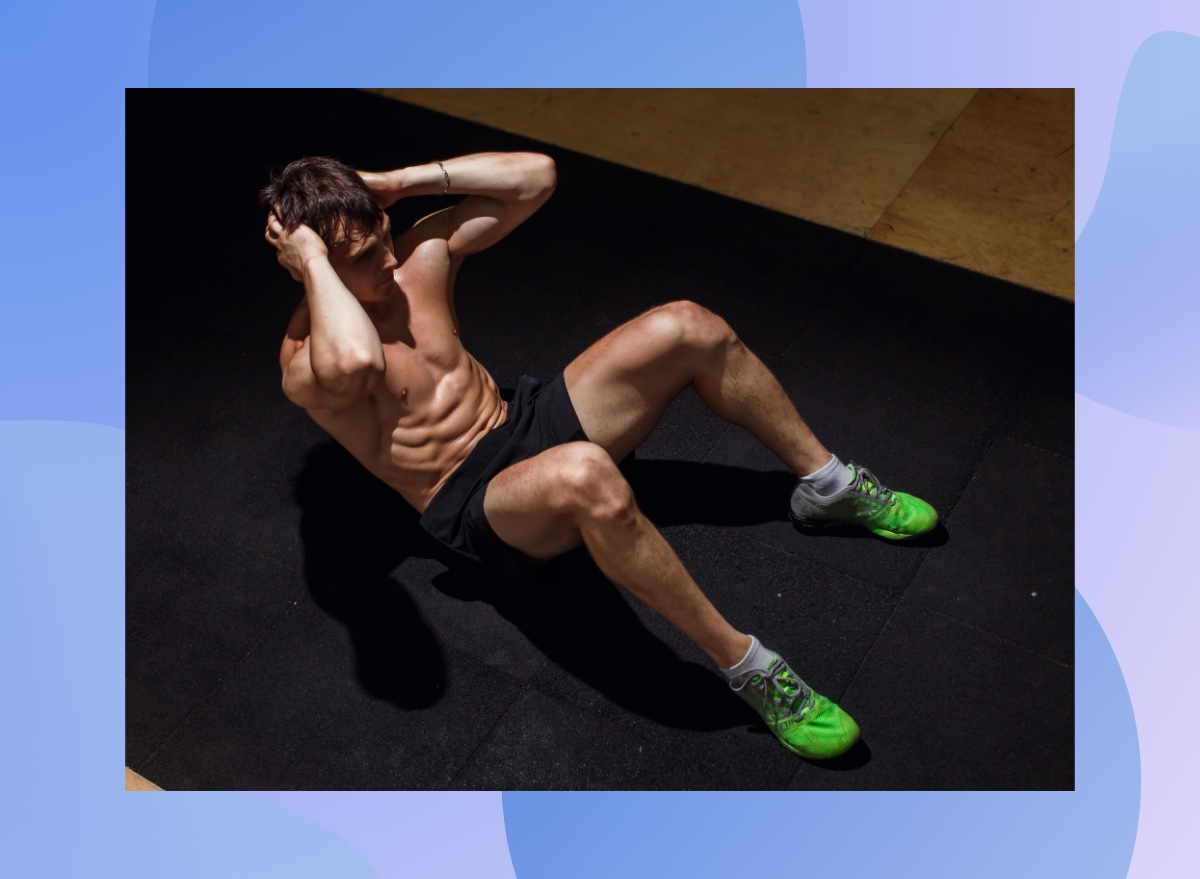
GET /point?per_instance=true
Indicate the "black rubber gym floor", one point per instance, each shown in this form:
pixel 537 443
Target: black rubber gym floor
pixel 289 625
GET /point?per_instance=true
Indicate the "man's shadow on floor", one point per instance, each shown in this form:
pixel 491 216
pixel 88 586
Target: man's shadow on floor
pixel 357 531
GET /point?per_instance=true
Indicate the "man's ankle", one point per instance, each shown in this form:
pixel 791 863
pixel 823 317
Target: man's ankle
pixel 757 656
pixel 830 479
pixel 737 650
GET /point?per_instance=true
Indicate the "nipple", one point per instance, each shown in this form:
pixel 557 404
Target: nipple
pixel 404 392
pixel 454 330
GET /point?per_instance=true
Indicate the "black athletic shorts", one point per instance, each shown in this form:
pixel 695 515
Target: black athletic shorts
pixel 539 417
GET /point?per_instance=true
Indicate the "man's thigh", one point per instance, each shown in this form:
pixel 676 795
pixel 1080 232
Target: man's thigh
pixel 622 384
pixel 528 508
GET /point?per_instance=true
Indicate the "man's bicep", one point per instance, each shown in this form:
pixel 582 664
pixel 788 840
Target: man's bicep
pixel 479 221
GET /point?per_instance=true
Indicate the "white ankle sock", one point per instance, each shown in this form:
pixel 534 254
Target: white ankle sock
pixel 756 657
pixel 830 479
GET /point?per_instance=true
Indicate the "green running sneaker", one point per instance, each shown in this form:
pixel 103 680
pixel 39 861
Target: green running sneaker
pixel 805 722
pixel 891 514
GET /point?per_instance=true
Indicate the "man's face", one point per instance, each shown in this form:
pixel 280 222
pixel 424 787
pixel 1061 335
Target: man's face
pixel 366 264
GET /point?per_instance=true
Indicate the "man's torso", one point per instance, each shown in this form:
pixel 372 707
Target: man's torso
pixel 435 401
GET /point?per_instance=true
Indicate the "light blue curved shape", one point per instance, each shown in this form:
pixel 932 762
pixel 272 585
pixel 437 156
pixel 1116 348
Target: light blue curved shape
pixel 231 836
pixel 539 43
pixel 1138 269
pixel 62 558
pixel 61 645
pixel 982 835
pixel 431 834
pixel 1139 584
pixel 62 810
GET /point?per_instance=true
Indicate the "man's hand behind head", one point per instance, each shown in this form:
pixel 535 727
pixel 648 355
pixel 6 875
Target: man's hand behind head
pixel 384 185
pixel 314 202
pixel 293 249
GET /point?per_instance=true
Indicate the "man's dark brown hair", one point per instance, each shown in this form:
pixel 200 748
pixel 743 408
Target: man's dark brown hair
pixel 325 195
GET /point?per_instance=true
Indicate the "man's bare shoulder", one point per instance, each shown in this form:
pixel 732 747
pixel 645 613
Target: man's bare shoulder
pixel 435 226
pixel 424 252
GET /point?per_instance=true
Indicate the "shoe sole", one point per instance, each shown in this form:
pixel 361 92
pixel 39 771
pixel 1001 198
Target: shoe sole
pixel 813 526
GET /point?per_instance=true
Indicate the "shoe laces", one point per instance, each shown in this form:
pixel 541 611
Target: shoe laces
pixel 866 483
pixel 779 689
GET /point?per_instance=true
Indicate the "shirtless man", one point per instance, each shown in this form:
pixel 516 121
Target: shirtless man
pixel 373 354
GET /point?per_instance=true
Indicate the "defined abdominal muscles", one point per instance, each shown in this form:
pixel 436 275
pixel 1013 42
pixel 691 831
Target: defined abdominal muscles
pixel 464 405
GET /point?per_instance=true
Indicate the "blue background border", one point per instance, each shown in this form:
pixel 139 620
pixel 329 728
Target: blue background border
pixel 62 418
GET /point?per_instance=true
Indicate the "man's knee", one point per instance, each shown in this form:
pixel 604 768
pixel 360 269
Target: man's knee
pixel 689 326
pixel 592 486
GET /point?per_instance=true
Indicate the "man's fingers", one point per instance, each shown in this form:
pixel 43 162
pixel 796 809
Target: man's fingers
pixel 274 234
pixel 274 230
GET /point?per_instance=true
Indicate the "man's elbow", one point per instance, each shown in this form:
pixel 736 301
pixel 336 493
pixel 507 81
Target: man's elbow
pixel 354 373
pixel 541 179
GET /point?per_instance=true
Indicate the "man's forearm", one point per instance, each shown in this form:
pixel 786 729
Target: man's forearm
pixel 504 176
pixel 344 343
